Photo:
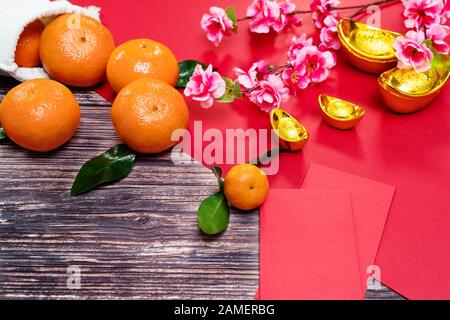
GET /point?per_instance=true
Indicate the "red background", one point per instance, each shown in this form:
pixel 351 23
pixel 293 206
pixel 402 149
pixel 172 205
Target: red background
pixel 410 152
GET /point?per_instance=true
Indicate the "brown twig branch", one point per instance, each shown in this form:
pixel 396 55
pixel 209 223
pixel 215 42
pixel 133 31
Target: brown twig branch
pixel 361 8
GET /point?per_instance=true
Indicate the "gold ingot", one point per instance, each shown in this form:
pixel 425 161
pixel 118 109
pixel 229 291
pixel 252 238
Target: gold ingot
pixel 338 113
pixel 291 133
pixel 406 91
pixel 367 48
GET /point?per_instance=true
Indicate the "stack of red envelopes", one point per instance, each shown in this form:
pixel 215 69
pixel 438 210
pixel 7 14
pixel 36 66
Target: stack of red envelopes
pixel 321 241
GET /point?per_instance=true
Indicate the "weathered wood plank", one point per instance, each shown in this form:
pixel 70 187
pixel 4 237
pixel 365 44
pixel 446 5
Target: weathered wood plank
pixel 134 239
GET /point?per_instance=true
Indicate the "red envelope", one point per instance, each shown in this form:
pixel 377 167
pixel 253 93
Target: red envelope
pixel 307 246
pixel 371 202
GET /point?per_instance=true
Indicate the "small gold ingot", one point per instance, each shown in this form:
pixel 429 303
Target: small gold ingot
pixel 367 48
pixel 406 91
pixel 291 133
pixel 340 114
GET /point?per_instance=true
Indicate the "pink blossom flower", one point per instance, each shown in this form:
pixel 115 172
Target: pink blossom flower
pixel 249 79
pixel 298 43
pixel 205 86
pixel 446 10
pixel 411 52
pixel 263 14
pixel 322 9
pixel 294 77
pixel 318 63
pixel 261 87
pixel 216 24
pixel 311 66
pixel 328 33
pixel 437 34
pixel 420 13
pixel 270 93
pixel 287 16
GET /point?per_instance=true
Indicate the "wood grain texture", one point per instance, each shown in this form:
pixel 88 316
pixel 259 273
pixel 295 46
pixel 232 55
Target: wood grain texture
pixel 135 239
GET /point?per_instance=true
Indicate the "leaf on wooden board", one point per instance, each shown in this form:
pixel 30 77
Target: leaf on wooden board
pixel 113 165
pixel 2 133
pixel 214 214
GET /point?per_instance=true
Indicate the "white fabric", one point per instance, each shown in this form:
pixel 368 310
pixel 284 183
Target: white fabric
pixel 15 15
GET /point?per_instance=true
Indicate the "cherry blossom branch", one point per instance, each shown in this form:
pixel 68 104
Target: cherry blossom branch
pixel 361 7
pixel 357 13
pixel 424 46
pixel 268 86
pixel 266 15
pixel 275 70
pixel 379 3
pixel 376 3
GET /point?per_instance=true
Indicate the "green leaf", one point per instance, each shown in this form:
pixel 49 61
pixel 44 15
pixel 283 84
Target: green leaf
pixel 428 43
pixel 113 165
pixel 214 214
pixel 436 62
pixel 231 14
pixel 233 91
pixel 218 173
pixel 445 61
pixel 440 60
pixel 187 68
pixel 2 133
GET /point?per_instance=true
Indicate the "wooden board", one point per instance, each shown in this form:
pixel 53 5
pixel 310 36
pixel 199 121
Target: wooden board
pixel 137 238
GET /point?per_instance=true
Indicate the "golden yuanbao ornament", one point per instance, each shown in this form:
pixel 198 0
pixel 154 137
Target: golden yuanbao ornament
pixel 338 113
pixel 367 48
pixel 291 133
pixel 405 90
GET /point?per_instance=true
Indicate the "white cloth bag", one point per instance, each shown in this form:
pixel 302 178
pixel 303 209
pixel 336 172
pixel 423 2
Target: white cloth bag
pixel 15 15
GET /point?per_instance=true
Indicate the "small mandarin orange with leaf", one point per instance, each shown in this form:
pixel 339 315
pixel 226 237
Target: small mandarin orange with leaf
pixel 40 115
pixel 146 113
pixel 74 50
pixel 246 186
pixel 141 58
pixel 27 49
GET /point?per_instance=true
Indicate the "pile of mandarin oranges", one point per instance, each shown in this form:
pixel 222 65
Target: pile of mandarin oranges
pixel 78 51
